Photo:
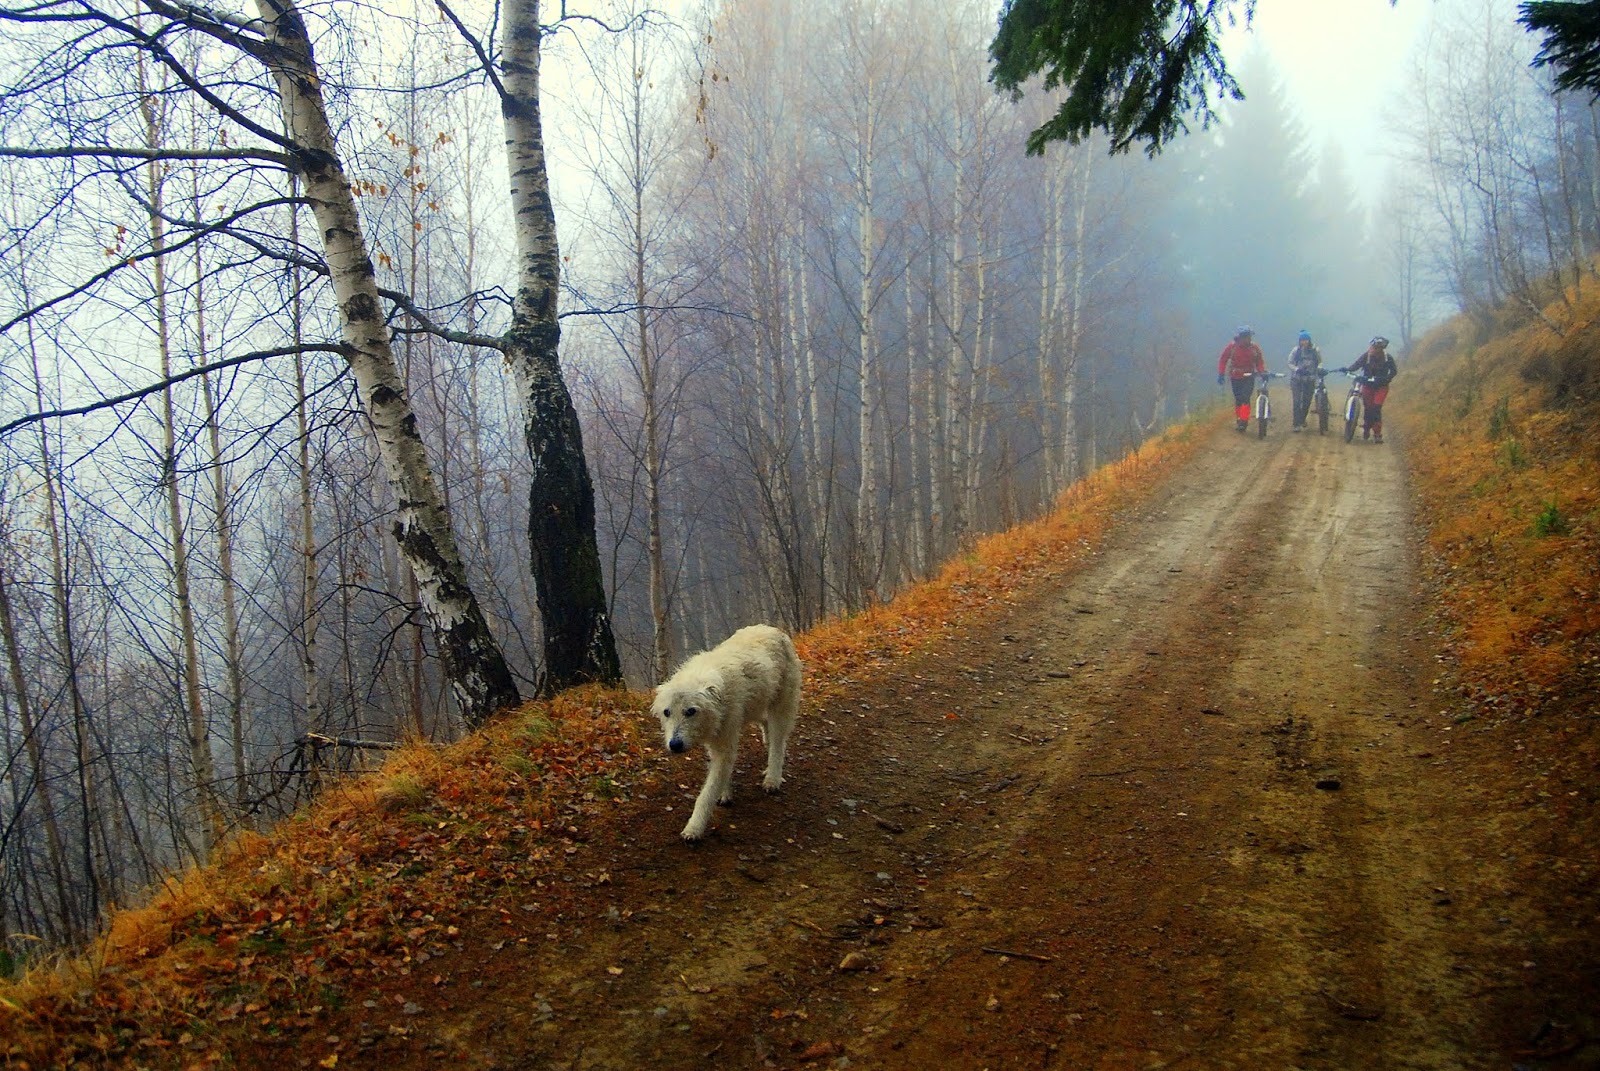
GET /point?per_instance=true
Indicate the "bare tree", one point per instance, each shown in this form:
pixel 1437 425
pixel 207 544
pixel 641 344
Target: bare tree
pixel 279 41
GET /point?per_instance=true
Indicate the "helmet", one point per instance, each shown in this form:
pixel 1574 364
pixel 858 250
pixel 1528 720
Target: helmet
pixel 1305 336
pixel 1243 332
pixel 1379 341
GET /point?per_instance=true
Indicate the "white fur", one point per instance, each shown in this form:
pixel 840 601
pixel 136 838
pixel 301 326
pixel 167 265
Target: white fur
pixel 751 677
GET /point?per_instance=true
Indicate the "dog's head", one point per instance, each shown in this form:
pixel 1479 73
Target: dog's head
pixel 688 713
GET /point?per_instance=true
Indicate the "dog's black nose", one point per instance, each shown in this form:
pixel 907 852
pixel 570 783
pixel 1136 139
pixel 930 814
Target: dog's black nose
pixel 677 746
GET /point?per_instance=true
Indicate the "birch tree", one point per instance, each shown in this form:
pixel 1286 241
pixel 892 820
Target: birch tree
pixel 280 43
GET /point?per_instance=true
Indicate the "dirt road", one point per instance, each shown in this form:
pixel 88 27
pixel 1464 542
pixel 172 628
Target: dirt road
pixel 1196 807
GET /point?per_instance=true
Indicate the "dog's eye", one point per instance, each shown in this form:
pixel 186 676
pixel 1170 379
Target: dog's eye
pixel 667 713
pixel 691 712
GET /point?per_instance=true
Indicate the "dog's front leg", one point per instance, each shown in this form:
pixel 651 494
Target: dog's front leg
pixel 717 775
pixel 724 771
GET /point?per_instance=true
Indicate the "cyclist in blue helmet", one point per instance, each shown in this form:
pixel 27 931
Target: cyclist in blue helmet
pixel 1305 360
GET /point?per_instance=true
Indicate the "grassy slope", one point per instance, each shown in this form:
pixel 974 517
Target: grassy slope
pixel 351 895
pixel 1504 439
pixel 1504 443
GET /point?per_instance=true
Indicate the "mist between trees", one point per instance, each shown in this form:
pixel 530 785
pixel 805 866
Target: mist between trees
pixel 823 323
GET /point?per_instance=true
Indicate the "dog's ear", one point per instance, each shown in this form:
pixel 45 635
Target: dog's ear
pixel 714 692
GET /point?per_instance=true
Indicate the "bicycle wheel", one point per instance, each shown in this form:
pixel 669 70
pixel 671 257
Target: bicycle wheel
pixel 1352 416
pixel 1322 415
pixel 1263 413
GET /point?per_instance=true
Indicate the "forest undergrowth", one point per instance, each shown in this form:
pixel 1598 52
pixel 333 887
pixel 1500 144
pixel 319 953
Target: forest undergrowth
pixel 371 881
pixel 1505 458
pixel 1503 438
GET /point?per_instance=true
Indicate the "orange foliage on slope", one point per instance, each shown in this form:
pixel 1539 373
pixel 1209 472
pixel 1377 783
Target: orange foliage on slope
pixel 367 882
pixel 1505 457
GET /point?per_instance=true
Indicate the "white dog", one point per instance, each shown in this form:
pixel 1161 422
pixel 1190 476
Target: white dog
pixel 752 676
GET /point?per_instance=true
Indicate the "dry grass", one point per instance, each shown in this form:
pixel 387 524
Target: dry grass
pixel 1506 463
pixel 349 888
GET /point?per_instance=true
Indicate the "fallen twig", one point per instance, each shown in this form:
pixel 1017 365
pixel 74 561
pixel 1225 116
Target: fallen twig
pixel 1359 1013
pixel 1019 955
pixel 804 925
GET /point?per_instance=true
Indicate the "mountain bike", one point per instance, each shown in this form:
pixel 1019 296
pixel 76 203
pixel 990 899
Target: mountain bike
pixel 1319 401
pixel 1263 403
pixel 1352 408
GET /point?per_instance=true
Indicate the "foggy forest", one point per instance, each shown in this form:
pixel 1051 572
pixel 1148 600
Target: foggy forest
pixel 822 322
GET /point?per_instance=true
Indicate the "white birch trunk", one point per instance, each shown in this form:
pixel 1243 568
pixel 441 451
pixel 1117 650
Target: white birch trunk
pixel 202 764
pixel 977 383
pixel 866 446
pixel 1076 301
pixel 954 431
pixel 1049 413
pixel 917 553
pixel 473 663
pixel 310 614
pixel 933 418
pixel 222 507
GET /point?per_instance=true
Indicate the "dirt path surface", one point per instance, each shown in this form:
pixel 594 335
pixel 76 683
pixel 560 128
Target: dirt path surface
pixel 1196 806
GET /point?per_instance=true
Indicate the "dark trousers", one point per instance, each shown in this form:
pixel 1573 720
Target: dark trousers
pixel 1243 387
pixel 1303 387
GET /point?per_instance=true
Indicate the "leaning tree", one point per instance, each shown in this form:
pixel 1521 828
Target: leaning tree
pixel 71 108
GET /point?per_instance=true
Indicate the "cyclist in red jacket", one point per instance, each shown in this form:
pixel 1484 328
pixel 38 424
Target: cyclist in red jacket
pixel 1240 363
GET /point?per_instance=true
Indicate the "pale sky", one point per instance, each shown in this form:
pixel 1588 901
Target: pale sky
pixel 1344 64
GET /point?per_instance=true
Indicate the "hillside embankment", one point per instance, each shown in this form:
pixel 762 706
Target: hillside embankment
pixel 1216 768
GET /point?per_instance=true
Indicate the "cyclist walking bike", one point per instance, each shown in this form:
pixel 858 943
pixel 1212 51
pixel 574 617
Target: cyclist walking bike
pixel 1375 370
pixel 1305 362
pixel 1240 363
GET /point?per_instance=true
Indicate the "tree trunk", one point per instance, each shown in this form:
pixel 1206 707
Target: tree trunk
pixel 68 929
pixel 310 615
pixel 649 379
pixel 916 553
pixel 202 765
pixel 222 505
pixel 810 390
pixel 91 832
pixel 953 427
pixel 74 922
pixel 578 645
pixel 1049 278
pixel 867 441
pixel 473 663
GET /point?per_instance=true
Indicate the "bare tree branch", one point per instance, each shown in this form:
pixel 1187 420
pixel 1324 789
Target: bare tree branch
pixel 161 385
pixel 64 152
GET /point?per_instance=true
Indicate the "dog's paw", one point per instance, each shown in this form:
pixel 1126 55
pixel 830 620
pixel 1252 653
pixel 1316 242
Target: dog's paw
pixel 693 834
pixel 772 787
pixel 725 801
